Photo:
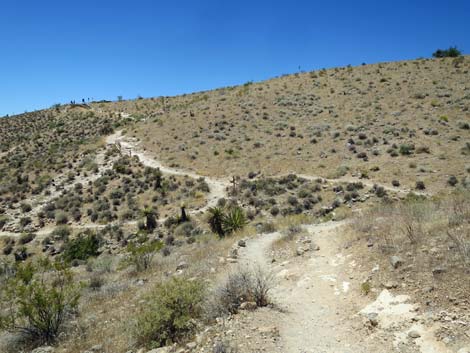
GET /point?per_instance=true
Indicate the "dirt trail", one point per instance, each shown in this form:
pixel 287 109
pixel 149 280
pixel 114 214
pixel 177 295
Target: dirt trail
pixel 217 187
pixel 325 311
pixel 312 295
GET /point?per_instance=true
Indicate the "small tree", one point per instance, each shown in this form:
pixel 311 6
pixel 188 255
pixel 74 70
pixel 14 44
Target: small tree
pixel 452 52
pixel 37 301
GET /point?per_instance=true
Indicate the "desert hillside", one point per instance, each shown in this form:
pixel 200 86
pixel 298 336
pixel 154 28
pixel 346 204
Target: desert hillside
pixel 323 211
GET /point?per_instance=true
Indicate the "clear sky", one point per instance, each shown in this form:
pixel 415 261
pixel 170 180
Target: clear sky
pixel 56 51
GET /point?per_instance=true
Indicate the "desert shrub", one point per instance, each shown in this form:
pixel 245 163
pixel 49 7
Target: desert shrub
pixel 406 149
pixel 25 207
pixel 267 227
pixel 186 229
pixel 241 286
pixel 452 181
pixel 102 264
pixel 81 248
pixel 420 185
pixel 3 221
pixel 452 52
pixel 37 301
pixel 61 232
pixel 170 313
pixel 96 282
pixel 26 238
pixel 24 221
pixel 61 218
pixel 141 255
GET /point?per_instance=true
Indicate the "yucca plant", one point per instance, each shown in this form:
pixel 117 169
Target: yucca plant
pixel 150 219
pixel 216 220
pixel 234 220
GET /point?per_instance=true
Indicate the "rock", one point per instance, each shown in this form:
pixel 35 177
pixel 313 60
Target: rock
pixel 428 289
pixel 242 243
pixel 191 345
pixel 414 334
pixel 268 330
pixel 391 284
pixel 248 306
pixel 299 251
pixel 464 350
pixel 373 318
pixel 396 261
pixel 160 350
pixel 45 349
pixel 314 247
pixel 97 348
pixel 233 253
pixel 182 265
pixel 438 270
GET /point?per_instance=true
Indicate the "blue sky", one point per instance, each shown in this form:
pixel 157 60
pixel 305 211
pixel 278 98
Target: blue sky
pixel 56 51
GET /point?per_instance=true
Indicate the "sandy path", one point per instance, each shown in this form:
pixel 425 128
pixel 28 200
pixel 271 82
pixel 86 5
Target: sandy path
pixel 217 187
pixel 311 295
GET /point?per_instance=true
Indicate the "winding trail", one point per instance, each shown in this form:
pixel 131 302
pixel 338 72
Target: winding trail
pixel 217 186
pixel 311 295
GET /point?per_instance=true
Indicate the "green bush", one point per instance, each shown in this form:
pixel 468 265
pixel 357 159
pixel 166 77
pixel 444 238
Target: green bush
pixel 141 255
pixel 81 248
pixel 452 52
pixel 406 149
pixel 37 301
pixel 170 313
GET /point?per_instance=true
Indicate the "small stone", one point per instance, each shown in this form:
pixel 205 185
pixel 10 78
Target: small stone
pixel 242 243
pixel 191 345
pixel 396 261
pixel 299 251
pixel 160 350
pixel 414 334
pixel 45 349
pixel 268 330
pixel 373 319
pixel 182 265
pixel 314 247
pixel 391 284
pixel 438 270
pixel 248 306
